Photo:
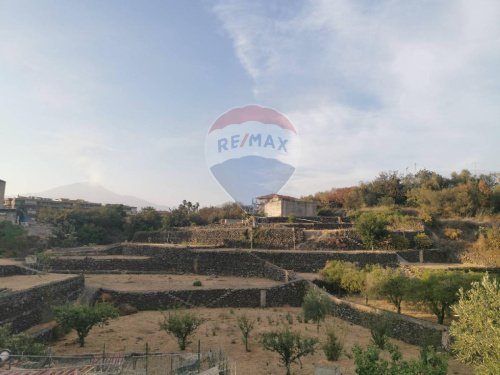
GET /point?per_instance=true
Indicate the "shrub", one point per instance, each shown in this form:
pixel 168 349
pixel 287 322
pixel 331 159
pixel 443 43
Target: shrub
pixel 335 270
pixel 292 218
pixel 197 283
pixel 397 241
pixel 21 343
pixel 316 306
pixel 290 346
pixel 369 362
pixel 371 227
pixel 82 318
pixel 422 241
pixel 476 333
pixel 332 348
pixel 379 329
pixel 452 233
pixel 246 326
pixel 181 325
pixel 326 212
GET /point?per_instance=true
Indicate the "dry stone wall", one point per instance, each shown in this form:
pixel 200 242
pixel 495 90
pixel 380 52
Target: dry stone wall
pixel 260 237
pixel 175 261
pixel 290 294
pixel 26 308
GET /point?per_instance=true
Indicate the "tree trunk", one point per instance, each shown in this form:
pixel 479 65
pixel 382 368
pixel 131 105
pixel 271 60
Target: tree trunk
pixel 399 308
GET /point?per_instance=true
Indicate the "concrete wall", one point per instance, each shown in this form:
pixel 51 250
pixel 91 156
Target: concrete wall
pixel 26 308
pixel 285 207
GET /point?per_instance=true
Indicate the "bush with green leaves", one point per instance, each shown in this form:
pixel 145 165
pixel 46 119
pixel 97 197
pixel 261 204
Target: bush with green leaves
pixel 197 283
pixel 334 271
pixel 316 306
pixel 289 345
pixel 82 318
pixel 181 326
pixel 396 241
pixel 422 241
pixel 333 347
pixel 246 326
pixel 372 228
pixel 476 333
pixel 379 330
pixel 21 343
pixel 370 362
pixel 437 290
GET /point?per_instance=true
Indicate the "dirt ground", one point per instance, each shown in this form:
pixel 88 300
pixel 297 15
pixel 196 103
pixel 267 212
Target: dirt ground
pixel 220 331
pixel 20 282
pixel 132 282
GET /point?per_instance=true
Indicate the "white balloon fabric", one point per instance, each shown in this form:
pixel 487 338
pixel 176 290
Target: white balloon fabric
pixel 252 151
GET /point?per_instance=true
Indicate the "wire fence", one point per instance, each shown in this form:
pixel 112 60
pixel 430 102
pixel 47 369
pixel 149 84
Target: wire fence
pixel 209 363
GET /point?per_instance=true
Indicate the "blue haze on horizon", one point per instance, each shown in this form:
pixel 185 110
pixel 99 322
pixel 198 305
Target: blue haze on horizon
pixel 121 93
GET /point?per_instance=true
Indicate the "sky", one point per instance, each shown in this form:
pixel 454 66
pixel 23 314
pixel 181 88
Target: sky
pixel 121 93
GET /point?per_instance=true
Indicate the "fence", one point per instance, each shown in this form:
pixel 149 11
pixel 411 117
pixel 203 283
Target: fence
pixel 209 363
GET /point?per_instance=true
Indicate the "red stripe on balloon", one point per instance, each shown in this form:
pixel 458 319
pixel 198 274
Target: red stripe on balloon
pixel 252 113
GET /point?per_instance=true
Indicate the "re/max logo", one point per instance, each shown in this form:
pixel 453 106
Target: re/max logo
pixel 251 140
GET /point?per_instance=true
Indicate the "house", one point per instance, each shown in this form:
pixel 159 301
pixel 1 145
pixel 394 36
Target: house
pixel 275 205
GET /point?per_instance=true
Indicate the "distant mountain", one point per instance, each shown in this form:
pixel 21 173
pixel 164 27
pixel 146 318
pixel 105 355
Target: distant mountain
pixel 95 193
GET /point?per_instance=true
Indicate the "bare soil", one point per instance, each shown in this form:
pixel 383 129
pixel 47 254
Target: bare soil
pixel 220 331
pixel 135 282
pixel 20 282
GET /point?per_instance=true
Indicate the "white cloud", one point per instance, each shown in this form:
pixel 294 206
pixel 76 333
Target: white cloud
pixel 376 85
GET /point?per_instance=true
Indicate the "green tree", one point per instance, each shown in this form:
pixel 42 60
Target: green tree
pixel 476 333
pixel 246 326
pixel 82 318
pixel 181 325
pixel 372 228
pixel 438 290
pixel 148 219
pixel 316 306
pixel 395 288
pixel 14 240
pixel 290 346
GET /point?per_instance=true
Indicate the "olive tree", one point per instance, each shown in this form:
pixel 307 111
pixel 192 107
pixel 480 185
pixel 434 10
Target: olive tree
pixel 290 346
pixel 82 318
pixel 476 333
pixel 181 325
pixel 316 306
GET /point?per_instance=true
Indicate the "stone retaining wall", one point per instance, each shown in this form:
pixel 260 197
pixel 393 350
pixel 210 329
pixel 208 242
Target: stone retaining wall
pixel 260 237
pixel 313 261
pixel 405 328
pixel 176 261
pixel 26 308
pixel 13 270
pixel 290 294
